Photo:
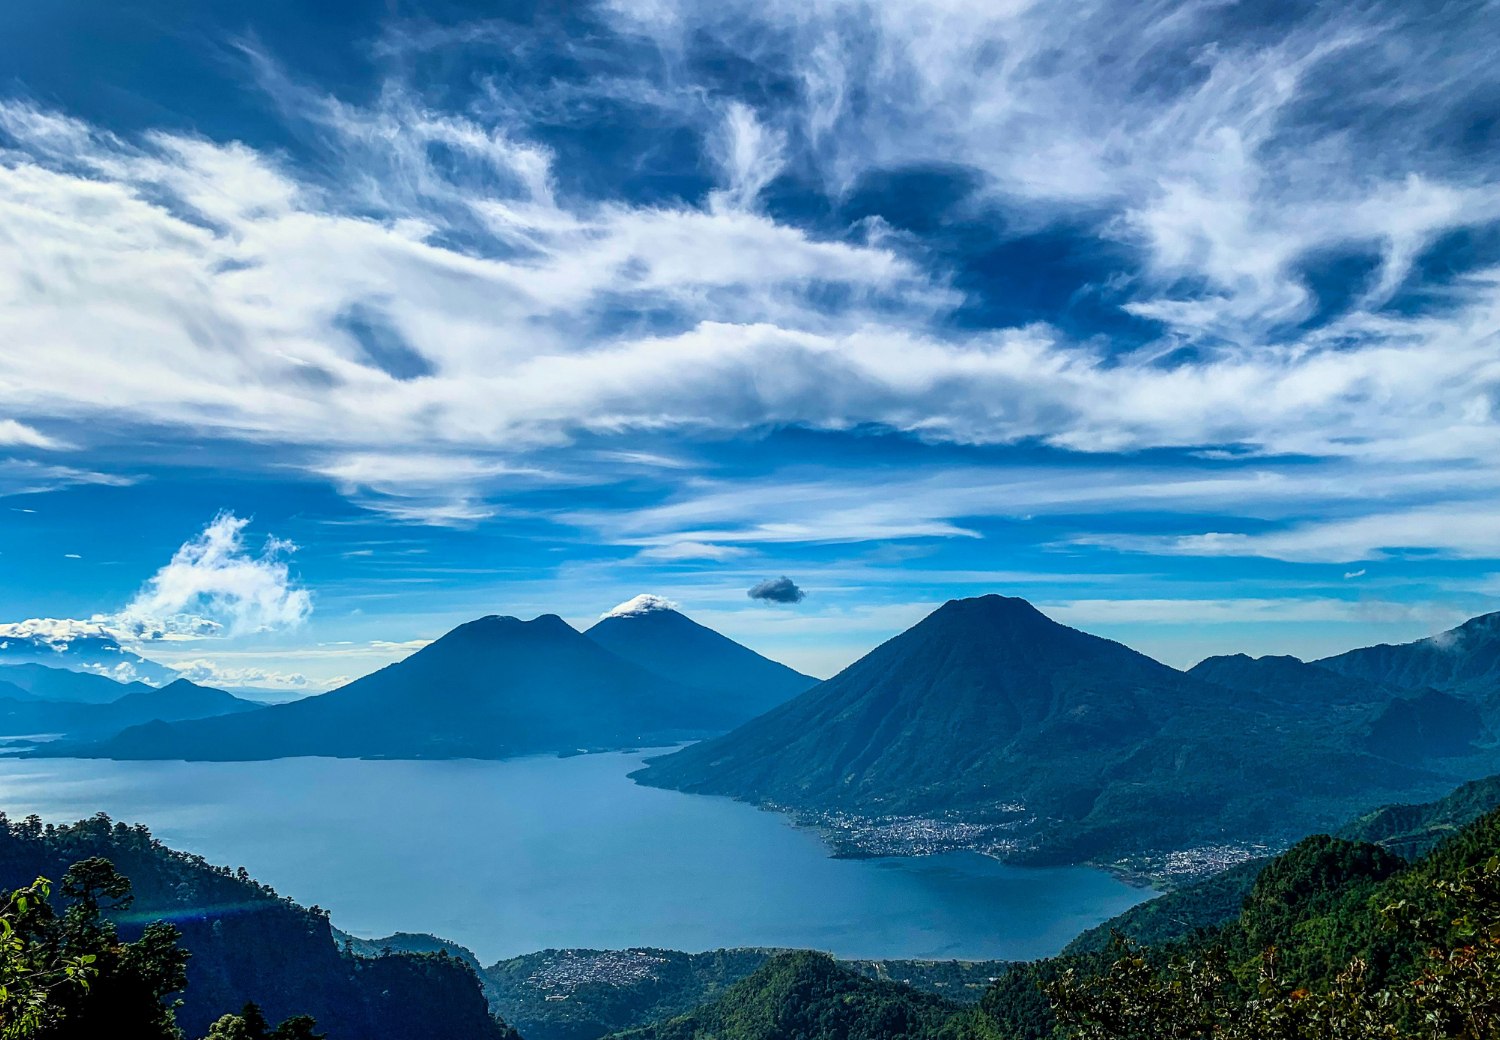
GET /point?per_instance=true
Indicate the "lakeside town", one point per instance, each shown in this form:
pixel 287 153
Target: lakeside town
pixel 852 836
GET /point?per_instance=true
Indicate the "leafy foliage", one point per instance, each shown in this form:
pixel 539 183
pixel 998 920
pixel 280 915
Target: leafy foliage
pixel 251 1024
pixel 1344 945
pixel 33 973
pixel 70 976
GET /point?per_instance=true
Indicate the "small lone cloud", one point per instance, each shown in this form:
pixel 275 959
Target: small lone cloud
pixel 1348 575
pixel 71 556
pixel 645 603
pixel 777 590
pixel 214 585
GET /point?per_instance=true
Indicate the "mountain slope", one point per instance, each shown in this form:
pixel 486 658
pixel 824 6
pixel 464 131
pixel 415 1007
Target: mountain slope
pixel 1415 830
pixel 988 702
pixel 650 633
pixel 1401 724
pixel 1463 660
pixel 61 684
pixel 490 688
pixel 1288 679
pixel 176 701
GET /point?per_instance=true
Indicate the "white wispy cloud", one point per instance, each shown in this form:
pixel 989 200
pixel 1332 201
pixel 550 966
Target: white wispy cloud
pixel 680 551
pixel 1457 530
pixel 17 434
pixel 209 673
pixel 750 155
pixel 205 287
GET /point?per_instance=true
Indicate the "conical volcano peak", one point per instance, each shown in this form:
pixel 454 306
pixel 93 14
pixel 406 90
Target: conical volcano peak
pixel 996 606
pixel 640 606
pixel 652 632
pixel 992 616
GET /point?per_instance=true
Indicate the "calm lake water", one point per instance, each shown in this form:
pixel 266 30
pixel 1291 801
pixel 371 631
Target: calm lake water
pixel 511 857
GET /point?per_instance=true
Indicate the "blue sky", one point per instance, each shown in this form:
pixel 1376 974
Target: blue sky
pixel 324 327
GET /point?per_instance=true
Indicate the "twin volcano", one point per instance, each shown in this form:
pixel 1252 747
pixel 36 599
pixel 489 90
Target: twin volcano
pixel 498 687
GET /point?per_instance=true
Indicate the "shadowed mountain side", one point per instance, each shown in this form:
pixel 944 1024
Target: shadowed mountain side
pixel 1413 831
pixel 988 702
pixel 669 644
pixel 100 655
pixel 1289 680
pixel 1394 722
pixel 1463 660
pixel 60 684
pixel 491 688
pixel 176 701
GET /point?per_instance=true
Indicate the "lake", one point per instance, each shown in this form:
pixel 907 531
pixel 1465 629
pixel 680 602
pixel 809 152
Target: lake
pixel 528 854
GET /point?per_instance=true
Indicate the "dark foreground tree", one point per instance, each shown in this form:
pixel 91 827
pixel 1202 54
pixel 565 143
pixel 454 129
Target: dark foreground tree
pixel 251 1024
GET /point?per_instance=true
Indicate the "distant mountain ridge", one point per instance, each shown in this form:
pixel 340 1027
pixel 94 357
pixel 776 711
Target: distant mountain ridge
pixel 95 654
pixel 25 711
pixel 56 683
pixel 491 688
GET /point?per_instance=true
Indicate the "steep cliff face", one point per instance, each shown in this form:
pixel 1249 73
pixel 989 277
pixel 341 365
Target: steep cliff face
pixel 248 944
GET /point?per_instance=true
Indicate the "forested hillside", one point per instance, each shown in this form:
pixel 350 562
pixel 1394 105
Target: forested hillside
pixel 1336 940
pixel 245 943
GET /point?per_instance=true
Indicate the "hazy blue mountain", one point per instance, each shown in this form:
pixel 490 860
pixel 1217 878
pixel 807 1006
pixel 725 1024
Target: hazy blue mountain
pixel 1288 679
pixel 491 688
pixel 55 683
pixel 11 692
pixel 988 702
pixel 1463 660
pixel 650 633
pixel 141 704
pixel 97 654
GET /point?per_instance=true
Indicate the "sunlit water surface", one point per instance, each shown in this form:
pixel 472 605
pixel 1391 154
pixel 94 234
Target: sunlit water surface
pixel 510 857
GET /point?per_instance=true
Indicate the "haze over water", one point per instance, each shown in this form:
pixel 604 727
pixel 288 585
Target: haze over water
pixel 511 857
